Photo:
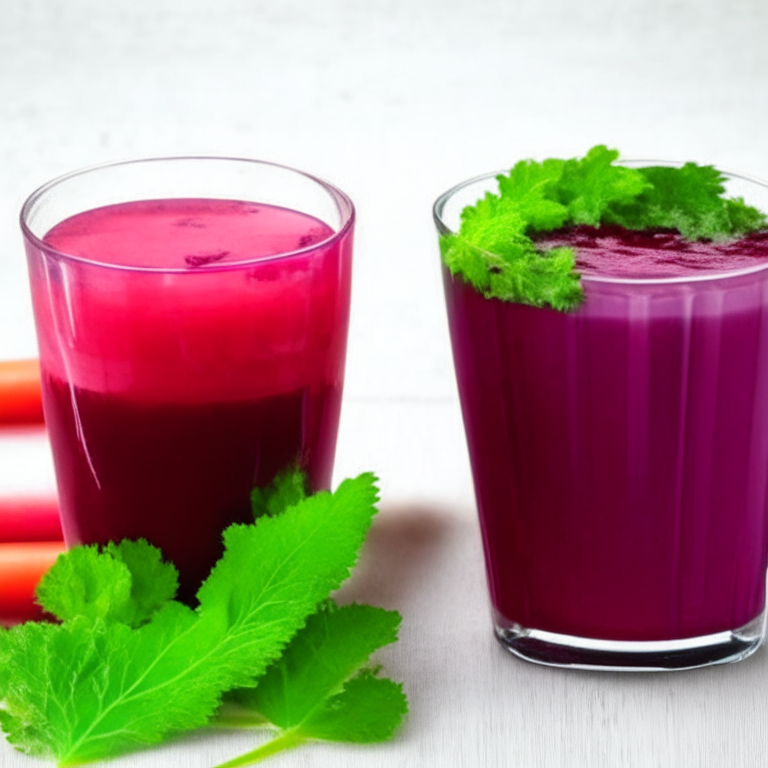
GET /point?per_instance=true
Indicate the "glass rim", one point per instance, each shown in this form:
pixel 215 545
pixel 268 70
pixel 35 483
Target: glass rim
pixel 444 229
pixel 343 203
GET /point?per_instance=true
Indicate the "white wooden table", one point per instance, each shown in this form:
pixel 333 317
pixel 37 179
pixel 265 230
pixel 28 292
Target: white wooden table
pixel 394 101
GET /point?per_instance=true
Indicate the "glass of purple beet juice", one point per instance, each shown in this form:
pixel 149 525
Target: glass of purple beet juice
pixel 620 451
pixel 192 319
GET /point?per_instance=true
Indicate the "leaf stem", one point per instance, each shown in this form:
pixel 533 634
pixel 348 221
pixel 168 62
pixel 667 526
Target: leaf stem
pixel 234 716
pixel 235 721
pixel 286 740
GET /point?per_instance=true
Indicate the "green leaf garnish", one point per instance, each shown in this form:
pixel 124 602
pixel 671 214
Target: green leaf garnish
pixel 321 688
pixel 102 682
pixel 495 249
pixel 690 200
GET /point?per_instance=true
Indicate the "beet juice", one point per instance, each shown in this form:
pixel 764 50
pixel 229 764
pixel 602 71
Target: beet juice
pixel 191 349
pixel 620 450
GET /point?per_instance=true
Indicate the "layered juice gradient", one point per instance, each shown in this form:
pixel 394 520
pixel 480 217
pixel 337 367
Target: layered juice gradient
pixel 184 361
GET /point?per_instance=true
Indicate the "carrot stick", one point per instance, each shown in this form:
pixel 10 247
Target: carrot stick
pixel 20 392
pixel 21 567
pixel 29 518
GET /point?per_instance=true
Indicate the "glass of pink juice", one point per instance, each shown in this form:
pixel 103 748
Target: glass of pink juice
pixel 192 319
pixel 620 450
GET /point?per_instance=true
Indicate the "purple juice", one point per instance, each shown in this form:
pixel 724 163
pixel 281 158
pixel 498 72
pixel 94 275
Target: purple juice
pixel 185 360
pixel 620 451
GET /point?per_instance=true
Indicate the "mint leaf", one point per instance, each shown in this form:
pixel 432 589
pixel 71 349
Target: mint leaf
pixel 287 489
pixel 83 582
pixel 590 185
pixel 495 251
pixel 334 645
pixel 744 218
pixel 529 182
pixel 690 200
pixel 92 688
pixel 290 563
pixel 319 689
pixel 153 582
pixel 369 709
pixel 124 582
pixel 521 274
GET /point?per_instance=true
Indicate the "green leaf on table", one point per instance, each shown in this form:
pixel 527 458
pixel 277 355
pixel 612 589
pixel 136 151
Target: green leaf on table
pixel 125 582
pixel 153 582
pixel 84 582
pixel 369 709
pixel 321 688
pixel 92 688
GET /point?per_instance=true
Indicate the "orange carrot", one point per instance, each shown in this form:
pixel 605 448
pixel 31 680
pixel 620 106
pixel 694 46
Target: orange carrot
pixel 29 518
pixel 20 392
pixel 21 567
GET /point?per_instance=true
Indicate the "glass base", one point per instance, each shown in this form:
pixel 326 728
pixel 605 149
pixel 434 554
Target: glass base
pixel 557 650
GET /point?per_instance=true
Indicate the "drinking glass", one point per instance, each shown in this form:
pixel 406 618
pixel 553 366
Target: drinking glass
pixel 192 319
pixel 620 460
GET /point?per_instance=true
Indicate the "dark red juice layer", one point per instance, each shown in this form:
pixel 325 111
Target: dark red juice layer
pixel 620 452
pixel 177 474
pixel 611 251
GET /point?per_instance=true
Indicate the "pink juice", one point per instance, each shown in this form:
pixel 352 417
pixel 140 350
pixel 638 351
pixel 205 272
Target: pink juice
pixel 185 361
pixel 620 451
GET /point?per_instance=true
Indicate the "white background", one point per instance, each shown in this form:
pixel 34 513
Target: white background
pixel 394 101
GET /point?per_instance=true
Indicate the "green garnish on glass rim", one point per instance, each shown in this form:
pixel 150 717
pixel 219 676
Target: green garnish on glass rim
pixel 129 666
pixel 495 249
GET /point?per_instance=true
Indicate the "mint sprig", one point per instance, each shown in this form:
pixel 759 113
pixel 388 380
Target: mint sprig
pixel 125 582
pixel 495 248
pixel 322 688
pixel 690 200
pixel 129 666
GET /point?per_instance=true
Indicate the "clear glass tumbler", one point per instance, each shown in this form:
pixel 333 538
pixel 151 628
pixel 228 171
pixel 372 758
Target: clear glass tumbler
pixel 192 319
pixel 620 461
